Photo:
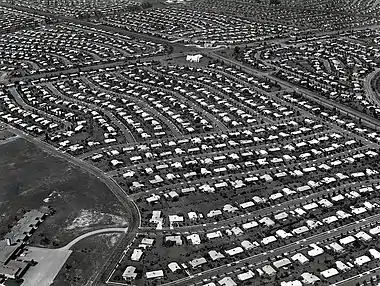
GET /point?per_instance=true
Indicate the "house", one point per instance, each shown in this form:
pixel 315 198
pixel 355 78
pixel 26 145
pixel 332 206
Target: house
pixel 136 255
pixel 283 234
pixel 245 275
pixel 267 221
pixel 375 230
pixel 128 174
pixel 337 198
pixel 325 203
pixel 342 266
pixel 258 199
pixel 291 283
pixel 281 216
pixel 347 240
pixel 246 205
pixel 198 262
pixel 192 215
pixel 193 58
pixel 342 215
pixel 157 219
pixel 330 219
pixel 268 240
pixel 299 211
pixel 173 195
pixel 237 231
pixel 213 235
pixel 359 210
pixel 310 206
pixel 275 196
pixel 154 274
pixel 315 251
pixel 282 263
pixel 299 257
pixel 329 273
pixel 300 230
pixel 362 235
pixel 359 261
pixel 129 273
pixel 249 225
pixel 227 281
pixel 336 247
pixel 247 245
pixel 153 198
pixel 214 213
pixel 269 270
pixel 215 255
pixel 309 278
pixel 194 239
pixel 175 219
pixel 146 242
pixel 174 238
pixel 234 251
pixel 311 223
pixel 229 208
pixel 374 253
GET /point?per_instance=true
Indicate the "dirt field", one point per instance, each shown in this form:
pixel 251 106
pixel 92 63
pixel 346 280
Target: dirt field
pixel 31 178
pixel 4 134
pixel 88 257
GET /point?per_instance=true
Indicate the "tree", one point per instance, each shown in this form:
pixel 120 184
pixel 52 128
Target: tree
pixel 146 5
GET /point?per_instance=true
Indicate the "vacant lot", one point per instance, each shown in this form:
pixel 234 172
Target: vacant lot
pixel 5 134
pixel 86 260
pixel 31 178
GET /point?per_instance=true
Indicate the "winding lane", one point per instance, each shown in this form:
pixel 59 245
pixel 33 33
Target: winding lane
pixel 92 233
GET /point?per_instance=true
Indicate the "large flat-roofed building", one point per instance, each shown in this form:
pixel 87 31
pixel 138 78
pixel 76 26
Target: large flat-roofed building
pixel 8 250
pixel 25 226
pixel 13 269
pixel 14 240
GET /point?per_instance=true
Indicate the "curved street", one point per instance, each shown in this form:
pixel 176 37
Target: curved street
pixel 370 92
pixel 131 209
pixel 92 233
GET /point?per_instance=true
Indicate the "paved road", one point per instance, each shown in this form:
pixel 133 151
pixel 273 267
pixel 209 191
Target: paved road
pixel 92 233
pixel 153 141
pixel 370 93
pixel 326 64
pixel 9 139
pixel 275 208
pixel 211 117
pixel 369 120
pixel 310 95
pixel 81 22
pixel 212 153
pixel 17 97
pixel 93 67
pixel 126 132
pixel 359 278
pixel 245 107
pixel 131 209
pixel 375 4
pixel 174 129
pixel 233 174
pixel 313 33
pixel 259 258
